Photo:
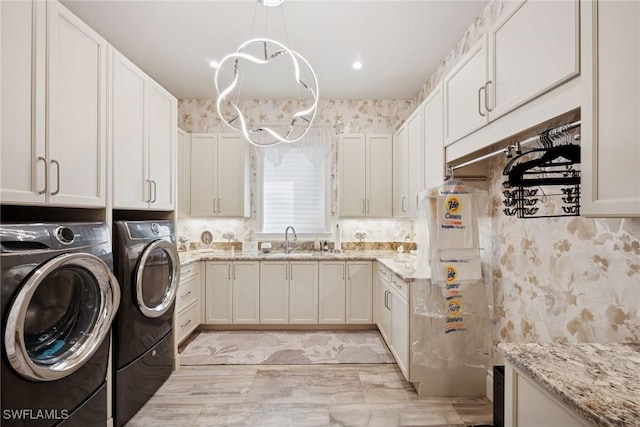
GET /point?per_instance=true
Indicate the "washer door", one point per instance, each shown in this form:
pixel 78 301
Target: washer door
pixel 60 316
pixel 157 278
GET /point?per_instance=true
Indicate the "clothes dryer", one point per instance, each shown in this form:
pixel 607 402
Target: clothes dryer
pixel 148 267
pixel 59 297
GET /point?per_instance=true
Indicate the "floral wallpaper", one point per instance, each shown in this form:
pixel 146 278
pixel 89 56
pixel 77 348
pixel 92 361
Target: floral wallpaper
pixel 345 116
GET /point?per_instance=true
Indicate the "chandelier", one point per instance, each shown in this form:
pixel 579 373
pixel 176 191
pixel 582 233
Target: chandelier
pixel 297 126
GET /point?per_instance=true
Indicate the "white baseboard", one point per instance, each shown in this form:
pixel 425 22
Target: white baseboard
pixel 489 384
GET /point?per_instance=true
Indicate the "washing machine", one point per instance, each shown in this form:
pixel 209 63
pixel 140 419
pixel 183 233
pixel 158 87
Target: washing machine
pixel 59 297
pixel 147 266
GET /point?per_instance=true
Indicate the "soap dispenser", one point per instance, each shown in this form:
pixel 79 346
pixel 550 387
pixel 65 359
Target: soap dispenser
pixel 337 245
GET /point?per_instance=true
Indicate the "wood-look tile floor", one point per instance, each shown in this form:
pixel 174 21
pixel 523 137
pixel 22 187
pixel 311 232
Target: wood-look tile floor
pixel 302 395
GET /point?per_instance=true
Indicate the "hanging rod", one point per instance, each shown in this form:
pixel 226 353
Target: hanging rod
pixel 535 138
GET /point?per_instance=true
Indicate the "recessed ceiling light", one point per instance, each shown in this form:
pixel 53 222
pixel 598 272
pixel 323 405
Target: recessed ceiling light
pixel 214 64
pixel 271 3
pixel 357 65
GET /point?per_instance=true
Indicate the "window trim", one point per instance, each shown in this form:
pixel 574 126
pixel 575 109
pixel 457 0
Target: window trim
pixel 260 235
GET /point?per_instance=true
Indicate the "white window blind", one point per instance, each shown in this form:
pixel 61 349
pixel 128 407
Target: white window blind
pixel 294 193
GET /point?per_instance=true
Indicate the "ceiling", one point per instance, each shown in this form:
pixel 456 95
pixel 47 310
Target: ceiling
pixel 400 43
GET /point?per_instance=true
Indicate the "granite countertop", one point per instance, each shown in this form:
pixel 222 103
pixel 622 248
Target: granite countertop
pixel 403 265
pixel 601 382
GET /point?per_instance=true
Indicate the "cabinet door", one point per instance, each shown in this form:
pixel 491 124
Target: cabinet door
pixel 384 309
pixel 400 331
pixel 274 292
pixel 415 158
pixel 76 110
pixel 183 190
pixel 231 174
pixel 379 189
pixel 303 292
pixel 526 62
pixel 610 109
pixel 352 175
pixel 131 189
pixel 331 292
pixel 218 292
pixel 400 175
pixel 23 162
pixel 203 174
pixel 359 292
pixel 246 292
pixel 464 91
pixel 163 118
pixel 434 163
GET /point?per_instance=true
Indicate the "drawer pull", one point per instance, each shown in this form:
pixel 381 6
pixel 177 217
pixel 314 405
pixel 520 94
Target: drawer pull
pixel 188 321
pixel 186 295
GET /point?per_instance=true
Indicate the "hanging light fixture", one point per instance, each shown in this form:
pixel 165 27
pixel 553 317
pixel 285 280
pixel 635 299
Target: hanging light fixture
pixel 270 50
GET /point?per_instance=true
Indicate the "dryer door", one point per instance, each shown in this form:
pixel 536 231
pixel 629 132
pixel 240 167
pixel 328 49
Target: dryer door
pixel 157 278
pixel 60 316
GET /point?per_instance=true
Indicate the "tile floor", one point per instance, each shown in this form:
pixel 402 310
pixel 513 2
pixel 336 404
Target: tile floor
pixel 302 395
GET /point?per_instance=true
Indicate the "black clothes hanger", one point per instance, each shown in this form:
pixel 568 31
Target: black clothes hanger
pixel 517 172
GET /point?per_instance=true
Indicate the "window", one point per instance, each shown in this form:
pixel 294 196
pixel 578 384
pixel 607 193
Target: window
pixel 293 189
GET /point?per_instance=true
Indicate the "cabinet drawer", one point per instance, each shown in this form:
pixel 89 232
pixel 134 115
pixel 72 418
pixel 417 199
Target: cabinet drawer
pixel 188 271
pixel 186 322
pixel 384 272
pixel 187 293
pixel 401 286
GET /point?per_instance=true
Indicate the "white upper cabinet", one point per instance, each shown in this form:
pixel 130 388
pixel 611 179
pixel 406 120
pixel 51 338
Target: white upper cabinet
pixel 532 49
pixel 366 175
pixel 610 145
pixel 465 89
pixel 407 166
pixel 144 132
pixel 54 107
pixel 184 189
pixel 219 181
pixel 433 116
pixel 400 175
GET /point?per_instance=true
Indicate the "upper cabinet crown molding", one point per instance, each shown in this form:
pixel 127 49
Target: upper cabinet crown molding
pixel 610 128
pixel 54 75
pixel 144 132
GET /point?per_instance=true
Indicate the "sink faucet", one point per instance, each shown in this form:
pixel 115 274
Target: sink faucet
pixel 287 249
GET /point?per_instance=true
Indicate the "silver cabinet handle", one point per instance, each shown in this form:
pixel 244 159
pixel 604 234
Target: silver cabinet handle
pixel 480 89
pixel 55 162
pixel 348 272
pixel 186 295
pixel 46 175
pixel 234 272
pixel 188 321
pixel 486 96
pixel 343 272
pixel 386 300
pixel 154 191
pixel 404 198
pixel 219 206
pixel 149 189
pixel 364 209
pixel 229 271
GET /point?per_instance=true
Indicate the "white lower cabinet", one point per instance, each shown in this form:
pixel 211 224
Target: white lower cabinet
pixel 345 292
pixel 303 292
pixel 528 405
pixel 289 292
pixel 393 316
pixel 188 302
pixel 331 292
pixel 359 292
pixel 232 292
